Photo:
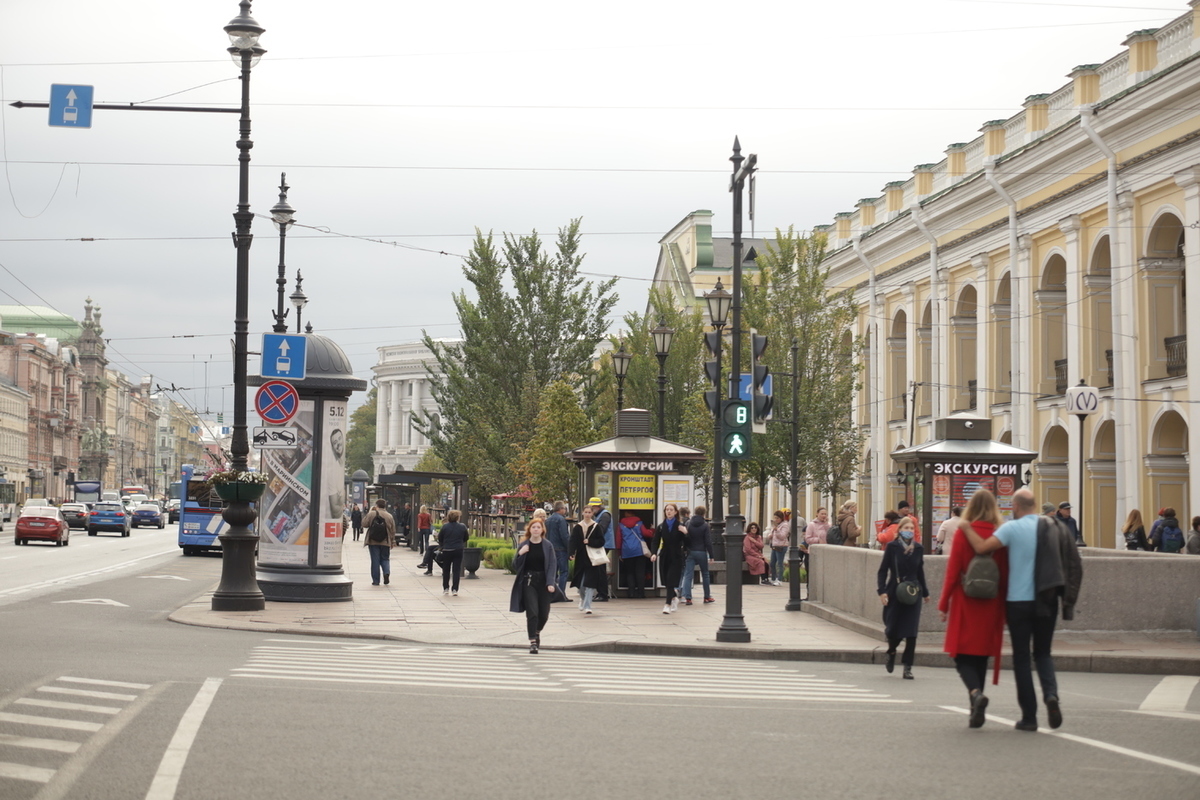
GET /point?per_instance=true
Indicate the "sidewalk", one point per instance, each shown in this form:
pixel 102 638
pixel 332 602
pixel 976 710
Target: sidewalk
pixel 413 609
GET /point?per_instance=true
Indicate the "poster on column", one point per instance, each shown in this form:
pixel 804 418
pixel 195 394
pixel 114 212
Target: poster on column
pixel 333 482
pixel 285 510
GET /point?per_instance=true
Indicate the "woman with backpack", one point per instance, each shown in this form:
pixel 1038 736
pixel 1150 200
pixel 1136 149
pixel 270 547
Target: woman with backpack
pixel 1167 537
pixel 901 587
pixel 634 533
pixel 974 624
pixel 1135 532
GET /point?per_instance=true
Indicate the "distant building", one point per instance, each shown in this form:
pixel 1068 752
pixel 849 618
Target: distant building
pixel 403 394
pixel 691 260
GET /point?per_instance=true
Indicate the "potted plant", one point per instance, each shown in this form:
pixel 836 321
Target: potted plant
pixel 234 486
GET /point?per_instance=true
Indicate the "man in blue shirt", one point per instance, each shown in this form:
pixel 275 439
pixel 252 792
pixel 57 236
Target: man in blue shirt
pixel 560 539
pixel 1020 537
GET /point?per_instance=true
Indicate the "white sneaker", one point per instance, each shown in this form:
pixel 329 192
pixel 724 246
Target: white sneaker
pixel 674 603
pixel 588 611
pixel 445 592
pixel 777 582
pixel 454 593
pixel 667 608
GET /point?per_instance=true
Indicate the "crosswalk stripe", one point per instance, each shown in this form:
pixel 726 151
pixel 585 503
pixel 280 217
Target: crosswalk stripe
pixel 86 693
pixel 56 745
pixel 26 701
pixel 359 659
pixel 97 682
pixel 25 773
pixel 670 674
pixel 735 696
pixel 50 722
pixel 616 683
pixel 515 687
pixel 342 669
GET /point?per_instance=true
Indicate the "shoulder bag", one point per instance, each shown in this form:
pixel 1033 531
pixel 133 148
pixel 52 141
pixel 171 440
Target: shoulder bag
pixel 908 592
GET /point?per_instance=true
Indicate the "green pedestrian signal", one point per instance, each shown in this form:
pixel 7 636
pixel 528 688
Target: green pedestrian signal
pixel 736 430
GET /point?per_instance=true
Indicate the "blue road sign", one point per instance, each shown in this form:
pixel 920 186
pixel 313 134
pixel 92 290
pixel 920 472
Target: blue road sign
pixel 284 356
pixel 746 394
pixel 70 106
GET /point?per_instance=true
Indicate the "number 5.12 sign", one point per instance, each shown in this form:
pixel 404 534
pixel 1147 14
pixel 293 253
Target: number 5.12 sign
pixel 1083 400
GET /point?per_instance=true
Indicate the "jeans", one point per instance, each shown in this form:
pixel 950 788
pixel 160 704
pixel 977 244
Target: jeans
pixel 451 563
pixel 778 557
pixel 427 560
pixel 588 594
pixel 1023 625
pixel 381 558
pixel 695 558
pixel 537 604
pixel 564 563
pixel 423 538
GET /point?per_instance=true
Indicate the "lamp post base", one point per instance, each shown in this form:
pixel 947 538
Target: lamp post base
pixel 733 625
pixel 733 629
pixel 793 603
pixel 238 590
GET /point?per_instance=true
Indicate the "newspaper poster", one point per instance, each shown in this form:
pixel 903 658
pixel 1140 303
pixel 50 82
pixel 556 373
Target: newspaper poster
pixel 285 513
pixel 333 482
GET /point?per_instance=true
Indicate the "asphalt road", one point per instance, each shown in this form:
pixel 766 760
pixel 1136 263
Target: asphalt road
pixel 111 700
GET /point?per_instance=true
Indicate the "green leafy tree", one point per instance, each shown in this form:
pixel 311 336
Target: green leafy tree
pixel 533 320
pixel 432 493
pixel 561 426
pixel 360 439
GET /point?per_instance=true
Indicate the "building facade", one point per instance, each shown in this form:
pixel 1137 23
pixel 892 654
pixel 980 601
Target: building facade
pixel 403 394
pixel 14 437
pixel 1054 248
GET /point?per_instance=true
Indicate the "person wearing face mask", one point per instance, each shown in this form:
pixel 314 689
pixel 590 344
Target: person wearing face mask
pixel 902 572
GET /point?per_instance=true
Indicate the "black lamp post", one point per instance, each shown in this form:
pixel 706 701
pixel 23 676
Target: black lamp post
pixel 718 301
pixel 282 216
pixel 793 603
pixel 238 589
pixel 299 300
pixel 621 361
pixel 662 347
pixel 733 626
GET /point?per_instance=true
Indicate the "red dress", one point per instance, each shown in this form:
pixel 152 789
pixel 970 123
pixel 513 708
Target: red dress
pixel 975 627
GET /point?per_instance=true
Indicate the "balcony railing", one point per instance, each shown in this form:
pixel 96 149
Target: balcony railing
pixel 972 394
pixel 1060 376
pixel 1108 357
pixel 1176 355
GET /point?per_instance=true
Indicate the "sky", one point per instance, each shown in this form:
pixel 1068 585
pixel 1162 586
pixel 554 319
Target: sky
pixel 404 127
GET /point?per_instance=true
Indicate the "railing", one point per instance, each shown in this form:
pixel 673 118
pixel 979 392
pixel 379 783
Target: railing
pixel 1176 355
pixel 1108 356
pixel 1174 41
pixel 1114 75
pixel 1014 131
pixel 1060 376
pixel 495 526
pixel 1061 106
pixel 972 394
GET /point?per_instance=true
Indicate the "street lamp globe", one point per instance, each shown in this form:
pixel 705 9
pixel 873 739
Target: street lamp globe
pixel 243 30
pixel 621 361
pixel 719 302
pixel 282 213
pixel 256 54
pixel 299 298
pixel 662 338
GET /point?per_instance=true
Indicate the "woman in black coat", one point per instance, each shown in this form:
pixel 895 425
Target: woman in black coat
pixel 587 578
pixel 536 585
pixel 668 550
pixel 903 560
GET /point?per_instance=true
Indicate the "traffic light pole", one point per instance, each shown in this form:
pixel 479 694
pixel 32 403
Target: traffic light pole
pixel 733 626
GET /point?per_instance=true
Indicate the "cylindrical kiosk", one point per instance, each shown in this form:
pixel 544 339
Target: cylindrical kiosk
pixel 300 515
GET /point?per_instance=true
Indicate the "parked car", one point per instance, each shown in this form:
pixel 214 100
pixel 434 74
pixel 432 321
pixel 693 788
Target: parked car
pixel 148 514
pixel 173 511
pixel 108 517
pixel 76 514
pixel 42 523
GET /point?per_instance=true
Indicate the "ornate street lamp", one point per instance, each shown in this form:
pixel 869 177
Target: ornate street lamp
pixel 238 589
pixel 662 347
pixel 282 215
pixel 719 302
pixel 621 361
pixel 299 300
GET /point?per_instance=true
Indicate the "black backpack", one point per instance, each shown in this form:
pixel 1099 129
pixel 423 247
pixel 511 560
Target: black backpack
pixel 834 534
pixel 981 579
pixel 379 531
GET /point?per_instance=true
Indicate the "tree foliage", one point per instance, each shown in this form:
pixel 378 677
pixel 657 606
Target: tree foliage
pixel 561 426
pixel 360 439
pixel 533 320
pixel 432 493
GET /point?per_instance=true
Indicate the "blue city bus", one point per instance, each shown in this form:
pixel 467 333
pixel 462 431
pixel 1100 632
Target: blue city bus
pixel 199 515
pixel 175 490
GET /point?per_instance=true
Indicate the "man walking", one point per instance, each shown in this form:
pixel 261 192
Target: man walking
pixel 1064 516
pixel 559 535
pixel 381 538
pixel 1025 622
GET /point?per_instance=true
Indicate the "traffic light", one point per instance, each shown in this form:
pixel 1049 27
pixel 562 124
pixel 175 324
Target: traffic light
pixel 763 400
pixel 736 430
pixel 712 340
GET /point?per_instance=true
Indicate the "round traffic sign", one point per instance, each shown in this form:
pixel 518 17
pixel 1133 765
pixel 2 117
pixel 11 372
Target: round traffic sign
pixel 276 401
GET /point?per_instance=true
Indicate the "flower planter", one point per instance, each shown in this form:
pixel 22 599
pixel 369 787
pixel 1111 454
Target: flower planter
pixel 472 559
pixel 243 492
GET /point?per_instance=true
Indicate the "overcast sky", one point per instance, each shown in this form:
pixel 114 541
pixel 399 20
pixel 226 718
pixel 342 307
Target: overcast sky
pixel 413 124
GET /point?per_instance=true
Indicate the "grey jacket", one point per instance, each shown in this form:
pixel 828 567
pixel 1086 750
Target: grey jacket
pixel 1057 569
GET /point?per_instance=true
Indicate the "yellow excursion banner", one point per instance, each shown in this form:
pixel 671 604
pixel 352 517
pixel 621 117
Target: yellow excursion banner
pixel 635 492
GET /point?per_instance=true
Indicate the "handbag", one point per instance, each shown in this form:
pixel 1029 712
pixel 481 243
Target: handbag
pixel 597 556
pixel 645 548
pixel 439 557
pixel 908 592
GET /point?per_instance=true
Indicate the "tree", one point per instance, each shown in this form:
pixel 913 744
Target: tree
pixel 435 490
pixel 515 342
pixel 360 439
pixel 561 426
pixel 786 300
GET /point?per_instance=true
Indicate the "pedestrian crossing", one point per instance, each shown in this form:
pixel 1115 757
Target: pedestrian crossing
pixel 40 732
pixel 555 672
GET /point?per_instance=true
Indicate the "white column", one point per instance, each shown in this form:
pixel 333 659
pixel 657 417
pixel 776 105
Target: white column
pixel 940 288
pixel 1070 227
pixel 1022 353
pixel 381 416
pixel 984 291
pixel 912 356
pixel 418 398
pixel 1189 179
pixel 395 415
pixel 1127 377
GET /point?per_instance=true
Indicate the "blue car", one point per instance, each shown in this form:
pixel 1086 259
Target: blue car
pixel 148 514
pixel 108 517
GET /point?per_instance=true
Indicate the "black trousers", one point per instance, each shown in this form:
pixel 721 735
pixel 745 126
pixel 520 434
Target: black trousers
pixel 537 603
pixel 451 565
pixel 972 670
pixel 910 649
pixel 1025 625
pixel 635 567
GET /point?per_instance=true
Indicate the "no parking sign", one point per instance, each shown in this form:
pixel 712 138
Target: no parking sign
pixel 276 402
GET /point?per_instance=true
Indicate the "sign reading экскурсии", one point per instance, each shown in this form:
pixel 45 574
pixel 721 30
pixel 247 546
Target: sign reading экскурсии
pixel 638 466
pixel 960 468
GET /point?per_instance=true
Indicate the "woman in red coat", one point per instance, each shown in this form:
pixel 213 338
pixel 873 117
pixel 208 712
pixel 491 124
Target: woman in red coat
pixel 975 629
pixel 752 552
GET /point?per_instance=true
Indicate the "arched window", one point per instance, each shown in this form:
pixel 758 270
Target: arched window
pixel 1050 326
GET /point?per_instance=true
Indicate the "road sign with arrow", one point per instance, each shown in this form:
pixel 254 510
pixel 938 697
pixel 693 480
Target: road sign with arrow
pixel 70 106
pixel 284 356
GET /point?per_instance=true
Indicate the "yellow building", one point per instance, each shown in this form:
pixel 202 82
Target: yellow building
pixel 1054 248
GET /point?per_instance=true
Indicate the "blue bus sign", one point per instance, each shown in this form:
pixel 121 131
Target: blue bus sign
pixel 284 356
pixel 70 106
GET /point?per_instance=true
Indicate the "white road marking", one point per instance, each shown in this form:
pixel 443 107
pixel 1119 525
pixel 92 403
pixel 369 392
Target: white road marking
pixel 1112 748
pixel 1169 714
pixel 1171 694
pixel 166 779
pixel 26 701
pixel 98 682
pixel 428 683
pixel 86 693
pixel 51 722
pixel 165 577
pixel 95 601
pixel 77 576
pixel 56 745
pixel 25 773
